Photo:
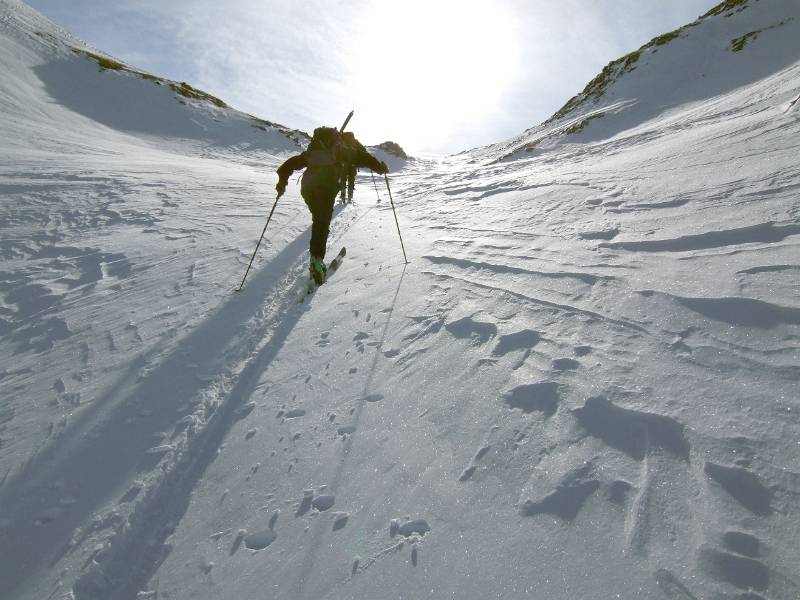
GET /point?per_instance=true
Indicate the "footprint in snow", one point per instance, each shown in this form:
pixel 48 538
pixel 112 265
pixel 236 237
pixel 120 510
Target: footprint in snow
pixel 478 332
pixel 543 397
pixel 743 485
pixel 323 502
pixel 340 520
pixel 740 571
pixel 565 364
pixel 359 340
pixel 519 343
pixel 522 340
pixel 410 527
pixel 568 497
pixel 633 432
pixel 262 539
pixel 305 503
pixel 253 470
pixel 742 543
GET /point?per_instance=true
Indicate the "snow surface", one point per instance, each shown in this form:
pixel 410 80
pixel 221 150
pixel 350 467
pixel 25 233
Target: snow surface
pixel 583 385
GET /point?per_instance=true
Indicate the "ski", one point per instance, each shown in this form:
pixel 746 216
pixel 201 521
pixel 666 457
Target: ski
pixel 331 269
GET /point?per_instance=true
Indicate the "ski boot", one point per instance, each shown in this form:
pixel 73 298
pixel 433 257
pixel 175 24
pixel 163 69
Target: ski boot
pixel 318 270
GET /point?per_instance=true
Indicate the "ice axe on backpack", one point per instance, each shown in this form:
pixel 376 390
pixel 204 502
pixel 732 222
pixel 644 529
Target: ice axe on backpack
pixel 346 121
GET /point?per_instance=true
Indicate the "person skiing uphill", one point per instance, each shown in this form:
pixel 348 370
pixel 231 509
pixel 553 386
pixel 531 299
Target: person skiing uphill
pixel 350 170
pixel 326 161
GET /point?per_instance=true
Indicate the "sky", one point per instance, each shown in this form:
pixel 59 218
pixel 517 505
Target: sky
pixel 436 76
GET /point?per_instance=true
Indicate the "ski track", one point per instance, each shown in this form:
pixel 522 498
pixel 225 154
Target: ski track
pixel 223 390
pixel 589 367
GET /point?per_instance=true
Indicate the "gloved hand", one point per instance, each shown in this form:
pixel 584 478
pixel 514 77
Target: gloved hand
pixel 384 168
pixel 281 187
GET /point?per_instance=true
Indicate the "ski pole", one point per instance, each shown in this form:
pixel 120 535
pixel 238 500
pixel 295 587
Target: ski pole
pixel 386 177
pixel 376 186
pixel 263 231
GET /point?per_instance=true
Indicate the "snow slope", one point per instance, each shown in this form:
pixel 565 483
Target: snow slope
pixel 718 53
pixel 583 385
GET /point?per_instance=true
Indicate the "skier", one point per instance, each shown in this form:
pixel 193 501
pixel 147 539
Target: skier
pixel 350 170
pixel 326 162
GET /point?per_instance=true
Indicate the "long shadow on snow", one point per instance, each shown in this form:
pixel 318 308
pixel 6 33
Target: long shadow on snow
pixel 132 566
pixel 96 466
pixel 131 104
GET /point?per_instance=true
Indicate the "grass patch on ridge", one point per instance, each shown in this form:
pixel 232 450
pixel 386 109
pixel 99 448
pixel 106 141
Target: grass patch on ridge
pixel 576 127
pixel 187 91
pixel 105 63
pixel 182 88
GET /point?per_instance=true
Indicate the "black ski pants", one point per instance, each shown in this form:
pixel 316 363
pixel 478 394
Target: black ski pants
pixel 319 188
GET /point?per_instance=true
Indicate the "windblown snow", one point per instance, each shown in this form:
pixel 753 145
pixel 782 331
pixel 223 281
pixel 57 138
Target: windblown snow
pixel 584 384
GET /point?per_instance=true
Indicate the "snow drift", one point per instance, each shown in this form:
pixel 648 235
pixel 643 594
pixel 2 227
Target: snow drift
pixel 583 385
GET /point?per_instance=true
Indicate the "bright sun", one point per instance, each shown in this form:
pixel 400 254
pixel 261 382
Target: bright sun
pixel 427 66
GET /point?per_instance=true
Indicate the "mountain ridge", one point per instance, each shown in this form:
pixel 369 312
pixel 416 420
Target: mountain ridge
pixel 665 73
pixel 126 98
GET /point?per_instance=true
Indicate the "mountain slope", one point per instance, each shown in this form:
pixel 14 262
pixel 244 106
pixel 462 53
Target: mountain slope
pixel 730 46
pixel 48 70
pixel 582 385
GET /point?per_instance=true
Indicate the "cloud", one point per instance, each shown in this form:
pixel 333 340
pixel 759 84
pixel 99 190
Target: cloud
pixel 282 60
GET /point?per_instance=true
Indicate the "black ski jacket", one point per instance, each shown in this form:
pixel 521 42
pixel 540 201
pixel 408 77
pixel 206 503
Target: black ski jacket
pixel 325 174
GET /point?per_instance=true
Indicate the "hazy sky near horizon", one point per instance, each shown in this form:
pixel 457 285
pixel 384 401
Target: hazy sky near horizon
pixel 436 76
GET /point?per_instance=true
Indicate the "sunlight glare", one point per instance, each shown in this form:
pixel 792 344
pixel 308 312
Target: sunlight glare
pixel 423 67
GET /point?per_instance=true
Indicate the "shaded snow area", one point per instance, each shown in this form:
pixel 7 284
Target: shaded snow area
pixel 583 385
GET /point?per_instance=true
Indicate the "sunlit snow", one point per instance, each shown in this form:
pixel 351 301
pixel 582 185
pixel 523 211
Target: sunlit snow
pixel 583 385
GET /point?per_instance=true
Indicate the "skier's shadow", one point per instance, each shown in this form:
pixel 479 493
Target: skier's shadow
pixel 104 449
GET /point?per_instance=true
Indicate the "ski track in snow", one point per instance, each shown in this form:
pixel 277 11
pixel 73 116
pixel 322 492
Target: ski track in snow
pixel 588 368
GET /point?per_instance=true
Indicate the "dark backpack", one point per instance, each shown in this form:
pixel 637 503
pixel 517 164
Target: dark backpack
pixel 325 148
